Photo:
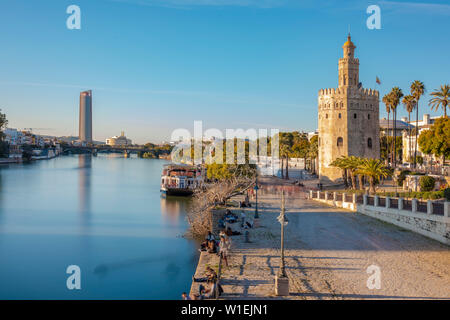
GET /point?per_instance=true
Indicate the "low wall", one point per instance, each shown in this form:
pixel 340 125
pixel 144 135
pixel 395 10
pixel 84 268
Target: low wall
pixel 431 225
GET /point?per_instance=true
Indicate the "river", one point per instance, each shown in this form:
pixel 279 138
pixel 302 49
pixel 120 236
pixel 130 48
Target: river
pixel 103 214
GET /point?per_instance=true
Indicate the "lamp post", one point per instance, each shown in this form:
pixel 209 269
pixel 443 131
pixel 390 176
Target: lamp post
pixel 256 193
pixel 281 280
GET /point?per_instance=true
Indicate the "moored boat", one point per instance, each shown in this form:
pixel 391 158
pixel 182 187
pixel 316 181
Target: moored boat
pixel 181 180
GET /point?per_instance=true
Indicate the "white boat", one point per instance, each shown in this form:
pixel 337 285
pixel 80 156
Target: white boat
pixel 181 180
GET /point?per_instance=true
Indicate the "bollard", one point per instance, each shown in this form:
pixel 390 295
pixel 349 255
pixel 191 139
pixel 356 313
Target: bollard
pixel 343 197
pixel 429 207
pixel 318 194
pixel 365 198
pixel 446 209
pixel 310 194
pixel 334 196
pixel 354 198
pixel 400 203
pixel 326 195
pixel 376 201
pixel 414 205
pixel 388 202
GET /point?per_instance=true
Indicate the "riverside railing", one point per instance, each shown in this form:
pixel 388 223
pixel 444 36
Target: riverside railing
pixel 428 207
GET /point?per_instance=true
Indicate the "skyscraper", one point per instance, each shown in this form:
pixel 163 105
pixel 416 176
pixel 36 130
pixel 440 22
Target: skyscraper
pixel 85 127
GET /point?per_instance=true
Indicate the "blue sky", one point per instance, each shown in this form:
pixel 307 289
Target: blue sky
pixel 158 65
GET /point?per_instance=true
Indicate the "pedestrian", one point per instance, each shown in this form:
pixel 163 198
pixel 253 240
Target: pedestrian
pixel 224 250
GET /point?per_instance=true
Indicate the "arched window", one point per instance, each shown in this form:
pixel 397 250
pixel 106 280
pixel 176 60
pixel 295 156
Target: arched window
pixel 354 115
pixel 340 116
pixel 340 142
pixel 368 116
pixel 369 143
pixel 326 116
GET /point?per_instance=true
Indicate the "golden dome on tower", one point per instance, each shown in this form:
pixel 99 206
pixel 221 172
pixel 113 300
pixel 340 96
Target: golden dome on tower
pixel 349 42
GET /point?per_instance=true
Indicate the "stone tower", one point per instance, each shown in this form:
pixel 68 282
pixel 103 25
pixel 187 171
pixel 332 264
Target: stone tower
pixel 348 118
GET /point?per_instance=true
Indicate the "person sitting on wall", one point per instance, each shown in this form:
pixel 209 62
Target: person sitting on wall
pixel 212 248
pixel 211 275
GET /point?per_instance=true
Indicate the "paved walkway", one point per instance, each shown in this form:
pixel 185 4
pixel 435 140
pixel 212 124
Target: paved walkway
pixel 327 254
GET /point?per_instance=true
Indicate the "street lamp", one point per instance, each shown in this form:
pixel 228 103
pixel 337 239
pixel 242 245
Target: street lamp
pixel 281 280
pixel 256 193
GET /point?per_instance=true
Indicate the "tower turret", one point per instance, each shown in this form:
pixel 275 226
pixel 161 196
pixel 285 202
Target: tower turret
pixel 348 65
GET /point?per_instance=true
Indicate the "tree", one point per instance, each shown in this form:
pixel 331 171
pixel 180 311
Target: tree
pixel 436 140
pixel 313 151
pixel 440 99
pixel 387 102
pixel 4 148
pixel 395 95
pixel 374 170
pixel 410 104
pixel 286 143
pixel 341 164
pixel 417 90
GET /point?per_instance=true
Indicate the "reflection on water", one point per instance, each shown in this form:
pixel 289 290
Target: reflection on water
pixel 174 208
pixel 84 186
pixel 104 214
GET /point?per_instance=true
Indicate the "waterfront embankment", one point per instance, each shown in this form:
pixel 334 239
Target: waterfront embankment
pixel 328 252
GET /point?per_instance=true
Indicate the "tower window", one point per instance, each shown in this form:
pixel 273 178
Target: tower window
pixel 340 116
pixel 368 116
pixel 326 116
pixel 369 143
pixel 354 115
pixel 340 142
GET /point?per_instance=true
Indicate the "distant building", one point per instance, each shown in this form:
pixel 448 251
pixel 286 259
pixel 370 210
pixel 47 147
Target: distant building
pixel 387 127
pixel 348 118
pixel 119 140
pixel 85 120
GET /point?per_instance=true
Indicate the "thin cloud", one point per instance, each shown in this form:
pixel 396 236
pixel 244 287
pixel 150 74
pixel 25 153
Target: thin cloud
pixel 417 7
pixel 217 3
pixel 224 98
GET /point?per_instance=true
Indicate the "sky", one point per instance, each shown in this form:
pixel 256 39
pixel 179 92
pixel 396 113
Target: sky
pixel 158 65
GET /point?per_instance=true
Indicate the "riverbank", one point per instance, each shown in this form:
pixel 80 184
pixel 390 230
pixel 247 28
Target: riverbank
pixel 327 252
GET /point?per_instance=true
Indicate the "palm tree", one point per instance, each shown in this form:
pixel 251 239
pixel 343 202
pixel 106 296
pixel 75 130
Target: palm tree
pixel 374 170
pixel 341 164
pixel 440 99
pixel 396 94
pixel 387 102
pixel 410 104
pixel 417 90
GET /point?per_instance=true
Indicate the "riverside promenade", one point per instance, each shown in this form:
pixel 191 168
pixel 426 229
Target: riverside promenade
pixel 327 253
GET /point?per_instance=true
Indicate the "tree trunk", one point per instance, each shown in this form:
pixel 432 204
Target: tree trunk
pixel 395 137
pixel 372 184
pixel 287 167
pixel 282 168
pixel 417 130
pixel 353 179
pixel 360 180
pixel 409 137
pixel 387 142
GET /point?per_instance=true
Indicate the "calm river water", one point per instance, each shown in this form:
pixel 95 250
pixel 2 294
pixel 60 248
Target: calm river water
pixel 103 214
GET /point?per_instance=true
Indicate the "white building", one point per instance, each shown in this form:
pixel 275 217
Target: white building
pixel 119 140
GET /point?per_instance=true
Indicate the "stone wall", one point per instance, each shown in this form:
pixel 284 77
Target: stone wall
pixel 431 225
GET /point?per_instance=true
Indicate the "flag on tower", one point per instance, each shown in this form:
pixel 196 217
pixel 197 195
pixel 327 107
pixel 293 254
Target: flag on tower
pixel 378 80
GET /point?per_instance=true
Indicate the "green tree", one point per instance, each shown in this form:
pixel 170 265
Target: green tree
pixel 410 104
pixel 417 90
pixel 387 102
pixel 3 145
pixel 374 170
pixel 436 140
pixel 440 99
pixel 395 95
pixel 313 152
